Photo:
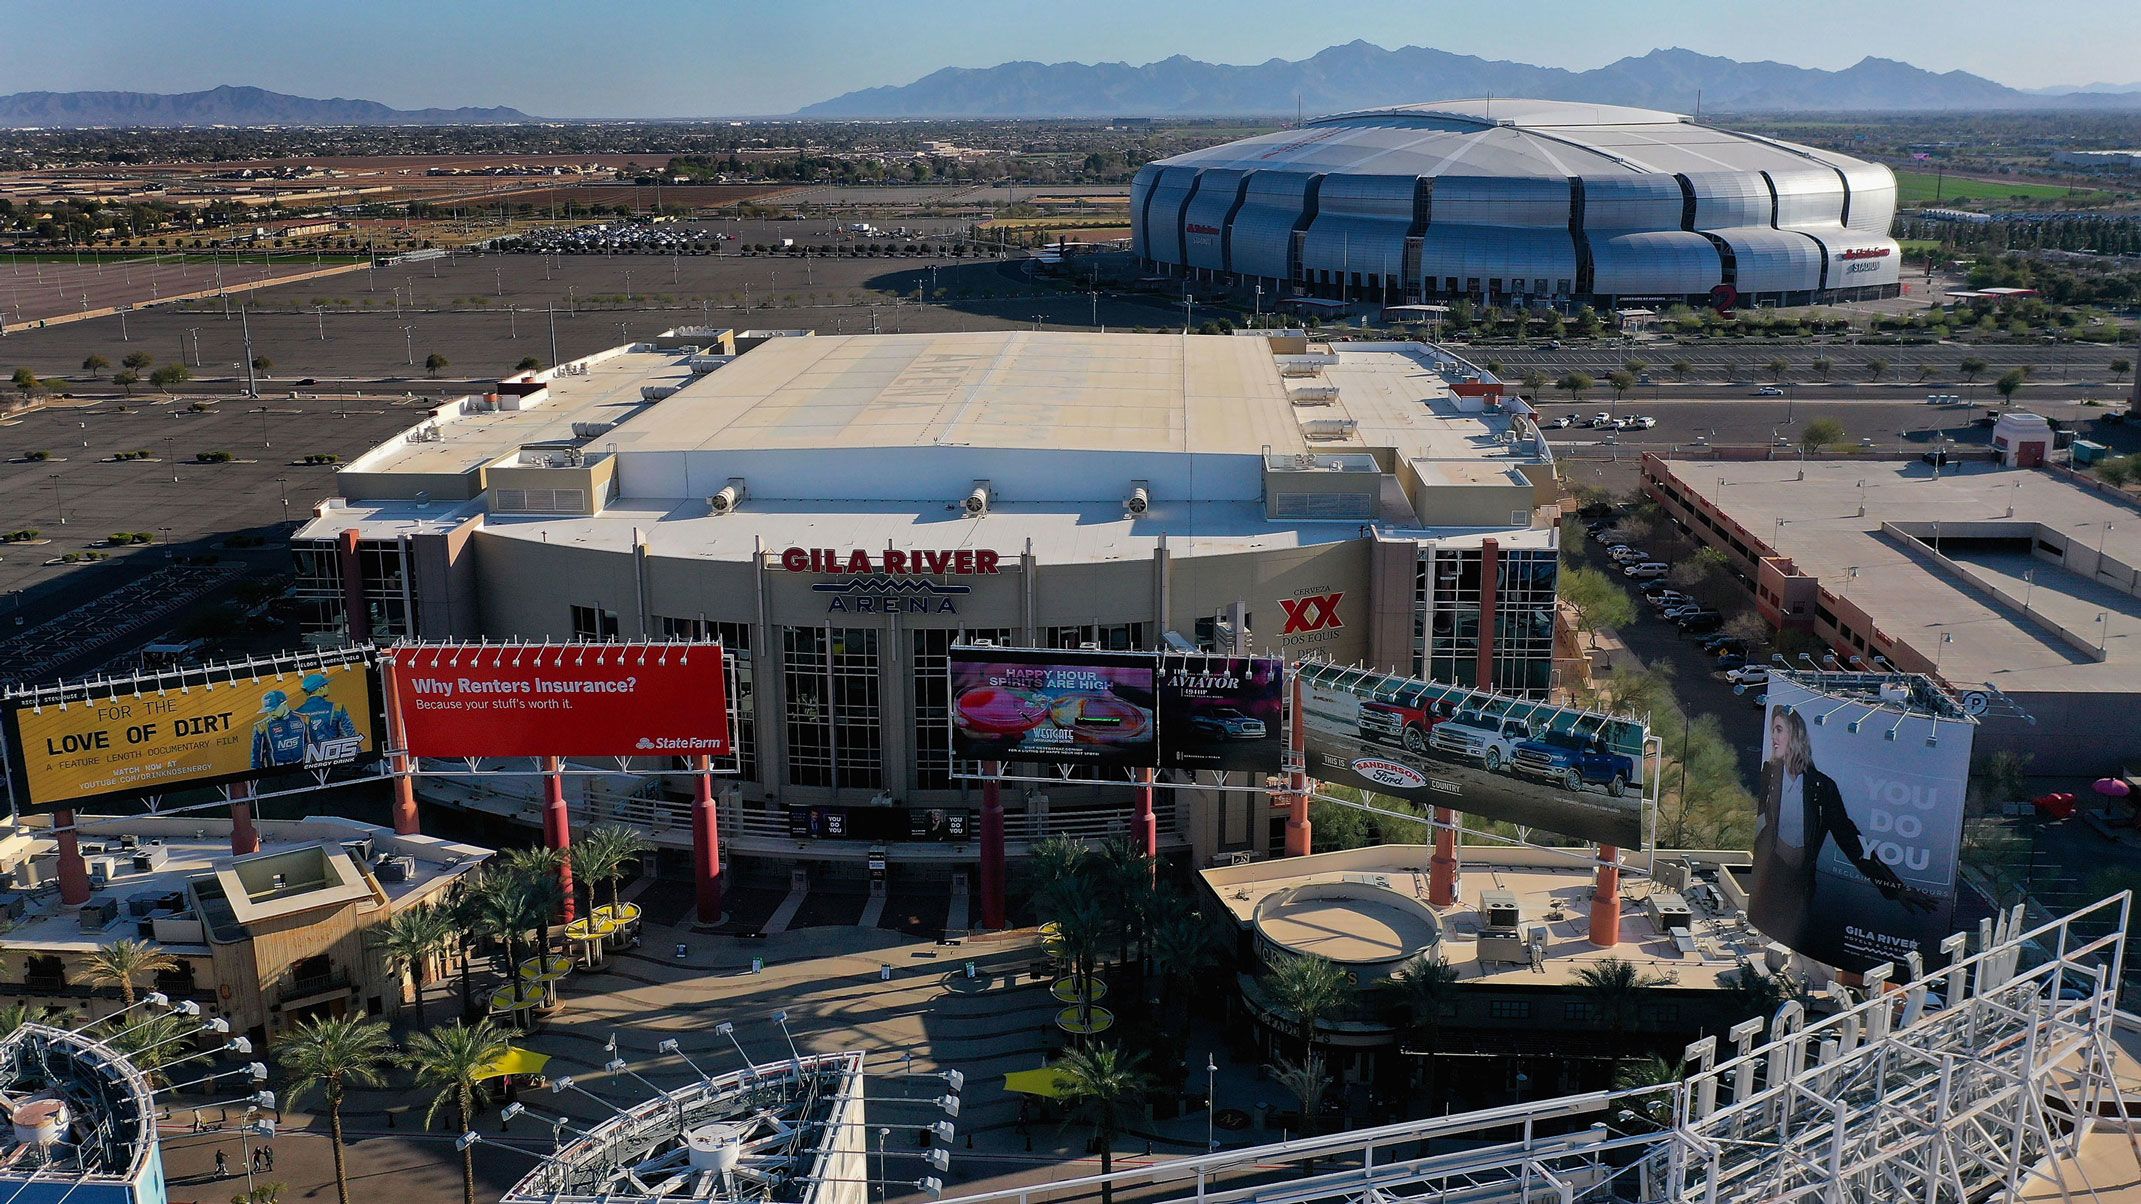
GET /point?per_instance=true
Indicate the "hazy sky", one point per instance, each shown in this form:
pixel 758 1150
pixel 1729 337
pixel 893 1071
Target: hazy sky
pixel 691 58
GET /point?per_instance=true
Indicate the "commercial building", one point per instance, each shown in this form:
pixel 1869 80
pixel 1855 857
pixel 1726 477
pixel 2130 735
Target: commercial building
pixel 2099 160
pixel 261 940
pixel 2014 582
pixel 840 511
pixel 1511 201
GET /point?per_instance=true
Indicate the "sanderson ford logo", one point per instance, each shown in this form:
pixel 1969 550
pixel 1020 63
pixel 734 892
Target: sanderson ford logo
pixel 1389 773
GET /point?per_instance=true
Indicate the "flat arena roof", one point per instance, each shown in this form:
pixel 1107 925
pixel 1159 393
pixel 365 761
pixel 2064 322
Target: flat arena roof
pixel 1347 930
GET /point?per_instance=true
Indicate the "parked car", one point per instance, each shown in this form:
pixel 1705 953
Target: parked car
pixel 1938 457
pixel 1555 424
pixel 1642 422
pixel 1718 645
pixel 1627 553
pixel 1748 675
pixel 1472 736
pixel 304 381
pixel 1769 391
pixel 1601 418
pixel 1573 761
pixel 1700 622
pixel 1674 611
pixel 1648 570
pixel 1603 510
pixel 1731 661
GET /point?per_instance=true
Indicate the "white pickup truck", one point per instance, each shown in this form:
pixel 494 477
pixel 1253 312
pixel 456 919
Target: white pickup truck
pixel 1471 736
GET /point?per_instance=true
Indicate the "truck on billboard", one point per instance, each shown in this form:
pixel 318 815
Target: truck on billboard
pixel 1222 712
pixel 1067 707
pixel 561 700
pixel 1859 819
pixel 188 728
pixel 1579 774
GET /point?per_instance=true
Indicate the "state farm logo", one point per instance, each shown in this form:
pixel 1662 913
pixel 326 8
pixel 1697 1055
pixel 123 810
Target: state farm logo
pixel 1865 253
pixel 1389 773
pixel 1311 612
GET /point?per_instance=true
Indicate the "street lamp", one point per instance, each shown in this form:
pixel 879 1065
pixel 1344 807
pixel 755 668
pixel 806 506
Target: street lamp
pixel 1211 1102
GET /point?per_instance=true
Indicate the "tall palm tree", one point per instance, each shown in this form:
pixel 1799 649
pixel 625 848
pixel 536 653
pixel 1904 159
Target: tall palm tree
pixel 1182 947
pixel 1104 1090
pixel 546 872
pixel 333 1055
pixel 17 1014
pixel 603 855
pixel 1306 1081
pixel 410 941
pixel 1056 865
pixel 1616 988
pixel 156 1043
pixel 1123 874
pixel 1083 924
pixel 452 1059
pixel 1417 997
pixel 499 904
pixel 123 962
pixel 1308 988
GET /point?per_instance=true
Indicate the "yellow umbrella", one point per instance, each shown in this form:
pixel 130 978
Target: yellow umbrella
pixel 1045 1082
pixel 514 1060
pixel 625 914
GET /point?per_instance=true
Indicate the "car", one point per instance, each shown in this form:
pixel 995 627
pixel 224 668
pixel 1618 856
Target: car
pixel 1604 511
pixel 1719 644
pixel 1574 761
pixel 1769 391
pixel 1475 736
pixel 1671 614
pixel 1668 601
pixel 1607 536
pixel 1555 424
pixel 1938 457
pixel 1553 344
pixel 1226 723
pixel 1653 589
pixel 1648 570
pixel 1731 661
pixel 1642 422
pixel 1700 622
pixel 1748 675
pixel 1601 418
pixel 305 381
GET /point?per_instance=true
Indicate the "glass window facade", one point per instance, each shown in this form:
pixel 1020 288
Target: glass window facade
pixel 593 623
pixel 389 592
pixel 1446 617
pixel 735 639
pixel 931 667
pixel 833 717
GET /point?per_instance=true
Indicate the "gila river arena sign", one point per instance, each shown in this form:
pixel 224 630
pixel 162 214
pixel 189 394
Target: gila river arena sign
pixel 561 700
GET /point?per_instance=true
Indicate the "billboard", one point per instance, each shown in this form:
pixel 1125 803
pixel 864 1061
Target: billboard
pixel 1061 707
pixel 882 823
pixel 1222 712
pixel 561 700
pixel 1859 818
pixel 1576 773
pixel 218 723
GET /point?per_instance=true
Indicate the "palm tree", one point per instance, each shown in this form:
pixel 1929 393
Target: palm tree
pixel 1751 993
pixel 333 1055
pixel 155 1043
pixel 1182 947
pixel 1417 997
pixel 546 872
pixel 1057 865
pixel 410 941
pixel 453 1059
pixel 1104 1089
pixel 1083 925
pixel 603 854
pixel 1616 989
pixel 1656 1110
pixel 15 1015
pixel 502 905
pixel 1122 873
pixel 1306 1081
pixel 1308 988
pixel 124 961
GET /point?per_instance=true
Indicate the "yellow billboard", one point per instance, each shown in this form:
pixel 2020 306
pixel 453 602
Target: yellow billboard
pixel 216 726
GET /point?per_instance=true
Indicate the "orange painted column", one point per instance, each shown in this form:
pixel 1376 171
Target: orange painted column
pixel 1606 904
pixel 73 871
pixel 992 848
pixel 405 818
pixel 1145 826
pixel 557 827
pixel 1442 869
pixel 244 837
pixel 1298 830
pixel 705 841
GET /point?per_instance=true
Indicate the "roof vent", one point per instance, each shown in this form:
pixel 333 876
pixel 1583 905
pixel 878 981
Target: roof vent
pixel 977 502
pixel 728 499
pixel 1140 499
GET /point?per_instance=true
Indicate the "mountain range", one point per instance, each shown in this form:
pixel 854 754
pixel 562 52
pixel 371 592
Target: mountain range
pixel 226 105
pixel 1361 74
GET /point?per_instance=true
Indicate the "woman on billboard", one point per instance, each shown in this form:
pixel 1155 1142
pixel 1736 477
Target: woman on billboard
pixel 1800 809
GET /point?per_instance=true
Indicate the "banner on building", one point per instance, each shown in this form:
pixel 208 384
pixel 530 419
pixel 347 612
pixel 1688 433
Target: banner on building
pixel 950 825
pixel 1859 819
pixel 194 727
pixel 561 700
pixel 1222 712
pixel 1062 707
pixel 1575 773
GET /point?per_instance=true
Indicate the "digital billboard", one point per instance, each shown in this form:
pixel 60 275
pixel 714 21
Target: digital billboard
pixel 1056 707
pixel 1222 712
pixel 882 823
pixel 217 723
pixel 1859 818
pixel 1576 773
pixel 561 700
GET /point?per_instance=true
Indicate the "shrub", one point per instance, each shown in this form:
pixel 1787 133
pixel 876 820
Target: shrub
pixel 212 457
pixel 38 457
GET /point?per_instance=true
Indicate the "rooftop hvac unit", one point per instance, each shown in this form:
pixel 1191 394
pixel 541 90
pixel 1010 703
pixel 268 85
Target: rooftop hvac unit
pixel 726 501
pixel 977 502
pixel 1313 395
pixel 360 848
pixel 150 859
pixel 104 869
pixel 656 392
pixel 1498 909
pixel 1668 909
pixel 591 430
pixel 397 869
pixel 99 913
pixel 1140 499
pixel 14 905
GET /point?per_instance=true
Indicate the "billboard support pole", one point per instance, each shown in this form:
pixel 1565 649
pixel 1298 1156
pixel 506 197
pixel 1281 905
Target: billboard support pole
pixel 244 837
pixel 1145 824
pixel 73 871
pixel 1442 870
pixel 1297 825
pixel 557 827
pixel 406 822
pixel 992 847
pixel 705 841
pixel 1606 902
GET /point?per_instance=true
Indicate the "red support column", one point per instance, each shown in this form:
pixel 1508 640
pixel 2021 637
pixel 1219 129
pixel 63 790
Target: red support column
pixel 1145 827
pixel 244 837
pixel 73 871
pixel 705 841
pixel 405 818
pixel 355 617
pixel 1490 577
pixel 1606 904
pixel 992 849
pixel 1442 869
pixel 557 827
pixel 1298 831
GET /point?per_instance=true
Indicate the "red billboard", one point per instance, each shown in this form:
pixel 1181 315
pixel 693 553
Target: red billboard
pixel 560 700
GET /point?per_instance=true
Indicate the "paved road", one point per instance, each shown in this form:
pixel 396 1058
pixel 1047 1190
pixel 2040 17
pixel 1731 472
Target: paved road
pixel 1747 361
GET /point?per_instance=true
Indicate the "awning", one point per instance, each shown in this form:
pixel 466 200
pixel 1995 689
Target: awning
pixel 1043 1082
pixel 514 1060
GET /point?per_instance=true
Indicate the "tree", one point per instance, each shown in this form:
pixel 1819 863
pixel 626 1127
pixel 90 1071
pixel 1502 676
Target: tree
pixel 453 1060
pixel 1821 366
pixel 528 363
pixel 1597 602
pixel 1306 1081
pixel 1925 372
pixel 1751 993
pixel 1417 998
pixel 2121 367
pixel 1534 380
pixel 168 375
pixel 1055 865
pixel 333 1055
pixel 2010 383
pixel 1123 874
pixel 1103 1089
pixel 1820 433
pixel 1083 927
pixel 1182 948
pixel 26 381
pixel 262 363
pixel 1622 380
pixel 410 940
pixel 126 380
pixel 2115 472
pixel 434 364
pixel 95 364
pixel 1681 368
pixel 1779 368
pixel 1576 383
pixel 19 1013
pixel 1876 368
pixel 1616 988
pixel 602 856
pixel 1655 1111
pixel 1635 366
pixel 545 871
pixel 155 1043
pixel 138 361
pixel 123 962
pixel 1308 988
pixel 1971 366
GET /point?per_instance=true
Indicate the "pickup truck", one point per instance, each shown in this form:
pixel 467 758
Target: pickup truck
pixel 1471 736
pixel 1574 761
pixel 1404 724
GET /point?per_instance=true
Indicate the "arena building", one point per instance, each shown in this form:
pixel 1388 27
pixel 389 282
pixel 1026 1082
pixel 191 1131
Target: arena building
pixel 1525 202
pixel 840 511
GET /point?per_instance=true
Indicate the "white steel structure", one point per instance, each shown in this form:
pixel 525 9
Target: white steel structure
pixel 1534 201
pixel 1972 1083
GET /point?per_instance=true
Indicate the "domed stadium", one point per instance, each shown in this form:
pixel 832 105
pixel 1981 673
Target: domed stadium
pixel 1531 202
